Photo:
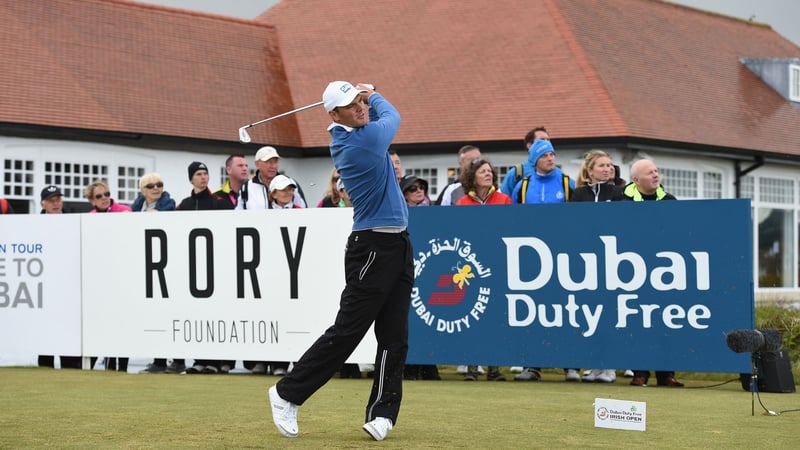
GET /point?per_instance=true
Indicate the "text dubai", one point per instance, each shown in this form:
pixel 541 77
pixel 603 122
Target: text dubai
pixel 670 274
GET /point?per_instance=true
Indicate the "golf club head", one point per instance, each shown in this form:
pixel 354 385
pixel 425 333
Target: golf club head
pixel 244 137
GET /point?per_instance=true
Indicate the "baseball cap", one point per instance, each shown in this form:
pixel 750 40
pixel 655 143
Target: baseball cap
pixel 409 180
pixel 51 191
pixel 266 153
pixel 339 93
pixel 281 182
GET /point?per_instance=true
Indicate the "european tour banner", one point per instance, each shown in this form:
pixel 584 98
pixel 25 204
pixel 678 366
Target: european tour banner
pixel 639 285
pixel 40 288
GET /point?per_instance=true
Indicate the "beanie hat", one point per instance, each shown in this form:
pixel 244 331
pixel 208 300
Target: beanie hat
pixel 194 167
pixel 538 149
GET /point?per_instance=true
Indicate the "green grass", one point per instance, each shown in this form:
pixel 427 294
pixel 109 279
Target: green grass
pixel 81 409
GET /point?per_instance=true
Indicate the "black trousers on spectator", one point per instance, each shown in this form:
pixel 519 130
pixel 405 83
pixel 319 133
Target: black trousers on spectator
pixel 67 362
pixel 660 375
pixel 379 275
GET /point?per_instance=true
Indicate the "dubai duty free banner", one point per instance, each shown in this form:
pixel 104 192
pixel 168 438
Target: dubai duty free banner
pixel 650 285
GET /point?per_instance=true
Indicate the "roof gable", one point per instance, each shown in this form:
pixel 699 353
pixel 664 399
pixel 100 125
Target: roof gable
pixel 675 74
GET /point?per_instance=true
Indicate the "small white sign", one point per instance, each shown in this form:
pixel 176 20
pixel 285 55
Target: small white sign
pixel 620 414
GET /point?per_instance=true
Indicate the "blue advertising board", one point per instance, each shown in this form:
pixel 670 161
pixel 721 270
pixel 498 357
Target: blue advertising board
pixel 639 285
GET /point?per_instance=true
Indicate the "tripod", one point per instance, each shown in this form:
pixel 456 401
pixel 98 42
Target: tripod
pixel 753 382
pixel 756 356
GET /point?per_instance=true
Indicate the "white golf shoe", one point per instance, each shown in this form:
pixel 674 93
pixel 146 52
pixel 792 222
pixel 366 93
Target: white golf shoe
pixel 284 414
pixel 378 428
pixel 572 375
pixel 606 376
pixel 592 375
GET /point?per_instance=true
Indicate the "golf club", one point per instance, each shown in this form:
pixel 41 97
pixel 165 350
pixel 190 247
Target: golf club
pixel 244 137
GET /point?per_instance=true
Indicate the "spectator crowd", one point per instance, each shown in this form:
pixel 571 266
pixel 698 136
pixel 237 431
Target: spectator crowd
pixel 537 179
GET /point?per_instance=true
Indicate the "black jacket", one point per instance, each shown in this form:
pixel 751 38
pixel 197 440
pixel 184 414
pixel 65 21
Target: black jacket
pixel 601 192
pixel 197 201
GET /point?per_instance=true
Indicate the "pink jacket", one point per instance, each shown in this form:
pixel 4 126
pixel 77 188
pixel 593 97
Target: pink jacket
pixel 115 207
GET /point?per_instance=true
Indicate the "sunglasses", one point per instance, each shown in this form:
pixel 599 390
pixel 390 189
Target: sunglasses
pixel 104 194
pixel 154 185
pixel 414 188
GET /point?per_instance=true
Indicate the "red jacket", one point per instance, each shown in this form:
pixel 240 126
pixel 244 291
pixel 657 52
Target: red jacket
pixel 495 198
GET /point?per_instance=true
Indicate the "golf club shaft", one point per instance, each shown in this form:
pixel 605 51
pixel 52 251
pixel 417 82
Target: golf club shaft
pixel 283 114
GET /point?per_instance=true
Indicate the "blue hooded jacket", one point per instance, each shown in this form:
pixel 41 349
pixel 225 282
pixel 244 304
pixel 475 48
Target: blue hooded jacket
pixel 165 203
pixel 541 188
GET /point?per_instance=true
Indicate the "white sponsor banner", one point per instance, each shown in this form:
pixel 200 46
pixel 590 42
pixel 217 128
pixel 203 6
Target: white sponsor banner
pixel 620 414
pixel 40 291
pixel 255 285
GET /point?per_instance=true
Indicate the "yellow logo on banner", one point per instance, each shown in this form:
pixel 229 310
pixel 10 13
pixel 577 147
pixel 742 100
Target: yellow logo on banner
pixel 462 274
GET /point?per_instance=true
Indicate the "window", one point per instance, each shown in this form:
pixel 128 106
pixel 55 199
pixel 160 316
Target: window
pixel 223 177
pixel 775 229
pixel 712 185
pixel 128 183
pixel 746 187
pixel 502 171
pixel 17 178
pixel 680 183
pixel 453 173
pixel 73 177
pixel 794 82
pixel 429 175
pixel 776 190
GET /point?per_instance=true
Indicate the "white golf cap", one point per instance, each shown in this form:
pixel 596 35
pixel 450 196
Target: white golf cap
pixel 266 153
pixel 281 182
pixel 339 93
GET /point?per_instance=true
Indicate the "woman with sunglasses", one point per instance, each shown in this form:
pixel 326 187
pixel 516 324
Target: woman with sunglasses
pixel 332 197
pixel 479 182
pixel 153 197
pixel 99 195
pixel 415 191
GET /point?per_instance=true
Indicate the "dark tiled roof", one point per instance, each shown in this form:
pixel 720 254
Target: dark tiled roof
pixel 485 71
pixel 471 70
pixel 120 66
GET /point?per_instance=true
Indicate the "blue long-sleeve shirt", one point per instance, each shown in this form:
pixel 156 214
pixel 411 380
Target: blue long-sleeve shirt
pixel 361 157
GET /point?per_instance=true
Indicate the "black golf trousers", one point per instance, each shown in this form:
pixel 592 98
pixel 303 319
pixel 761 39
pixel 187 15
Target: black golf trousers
pixel 379 275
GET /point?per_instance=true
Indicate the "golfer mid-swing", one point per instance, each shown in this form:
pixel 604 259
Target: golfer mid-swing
pixel 378 264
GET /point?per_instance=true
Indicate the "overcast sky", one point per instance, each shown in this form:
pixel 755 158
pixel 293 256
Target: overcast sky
pixel 782 15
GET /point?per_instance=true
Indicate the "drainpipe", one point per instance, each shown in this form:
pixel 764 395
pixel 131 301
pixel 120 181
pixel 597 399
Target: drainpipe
pixel 739 173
